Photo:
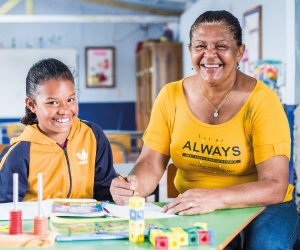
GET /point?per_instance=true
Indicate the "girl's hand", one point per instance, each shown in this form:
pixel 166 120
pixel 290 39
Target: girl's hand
pixel 122 189
pixel 194 201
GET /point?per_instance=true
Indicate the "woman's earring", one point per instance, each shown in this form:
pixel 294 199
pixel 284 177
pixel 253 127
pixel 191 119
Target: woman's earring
pixel 238 65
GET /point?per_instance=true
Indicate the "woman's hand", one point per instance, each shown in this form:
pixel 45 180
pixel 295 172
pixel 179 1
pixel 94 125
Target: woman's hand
pixel 122 190
pixel 194 201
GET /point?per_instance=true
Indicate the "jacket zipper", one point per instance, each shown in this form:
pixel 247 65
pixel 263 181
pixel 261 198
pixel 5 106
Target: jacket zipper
pixel 69 168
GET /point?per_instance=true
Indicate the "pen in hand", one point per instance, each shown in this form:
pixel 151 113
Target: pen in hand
pixel 135 192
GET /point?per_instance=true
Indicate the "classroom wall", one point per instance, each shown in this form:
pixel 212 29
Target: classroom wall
pixel 124 36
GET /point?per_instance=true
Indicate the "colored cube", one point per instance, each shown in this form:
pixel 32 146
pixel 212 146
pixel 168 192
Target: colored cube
pixel 154 233
pixel 192 237
pixel 137 202
pixel 136 237
pixel 166 229
pixel 204 237
pixel 212 235
pixel 173 240
pixel 183 236
pixel 161 242
pixel 136 214
pixel 201 225
pixel 137 226
pixel 149 230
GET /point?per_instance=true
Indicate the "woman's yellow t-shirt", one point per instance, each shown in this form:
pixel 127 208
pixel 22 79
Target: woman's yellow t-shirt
pixel 218 156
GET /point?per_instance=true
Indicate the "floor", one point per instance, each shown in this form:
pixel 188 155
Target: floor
pixel 132 157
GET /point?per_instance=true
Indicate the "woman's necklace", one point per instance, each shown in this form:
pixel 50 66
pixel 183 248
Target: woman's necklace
pixel 216 113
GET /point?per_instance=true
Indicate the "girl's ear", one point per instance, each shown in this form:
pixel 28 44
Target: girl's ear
pixel 30 104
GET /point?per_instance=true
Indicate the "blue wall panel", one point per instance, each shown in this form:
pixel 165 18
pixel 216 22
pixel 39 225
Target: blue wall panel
pixel 119 115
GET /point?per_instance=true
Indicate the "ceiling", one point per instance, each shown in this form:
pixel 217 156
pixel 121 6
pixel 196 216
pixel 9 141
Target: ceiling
pixel 158 7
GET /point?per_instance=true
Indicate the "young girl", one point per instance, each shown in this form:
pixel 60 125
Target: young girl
pixel 74 156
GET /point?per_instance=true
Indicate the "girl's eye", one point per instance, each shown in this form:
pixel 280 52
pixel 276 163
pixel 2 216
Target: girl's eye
pixel 71 100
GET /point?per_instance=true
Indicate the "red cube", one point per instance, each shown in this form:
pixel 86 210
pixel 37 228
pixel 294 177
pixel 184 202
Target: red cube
pixel 204 237
pixel 161 242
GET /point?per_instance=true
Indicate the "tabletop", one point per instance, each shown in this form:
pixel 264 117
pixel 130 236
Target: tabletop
pixel 226 224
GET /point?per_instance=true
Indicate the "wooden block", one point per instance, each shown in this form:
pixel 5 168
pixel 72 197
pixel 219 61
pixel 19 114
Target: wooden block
pixel 27 239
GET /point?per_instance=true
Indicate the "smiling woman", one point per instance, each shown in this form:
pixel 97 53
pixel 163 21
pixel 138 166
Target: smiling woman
pixel 67 151
pixel 227 134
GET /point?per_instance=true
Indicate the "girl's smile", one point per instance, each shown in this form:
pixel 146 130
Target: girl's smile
pixel 55 107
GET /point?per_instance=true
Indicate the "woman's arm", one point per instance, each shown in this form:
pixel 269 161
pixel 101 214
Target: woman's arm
pixel 144 176
pixel 270 189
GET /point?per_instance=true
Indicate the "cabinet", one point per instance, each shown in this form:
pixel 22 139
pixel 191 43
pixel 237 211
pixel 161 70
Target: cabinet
pixel 157 63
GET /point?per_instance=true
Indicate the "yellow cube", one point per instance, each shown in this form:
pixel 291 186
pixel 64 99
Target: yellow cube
pixel 154 233
pixel 137 202
pixel 139 237
pixel 136 226
pixel 173 240
pixel 183 235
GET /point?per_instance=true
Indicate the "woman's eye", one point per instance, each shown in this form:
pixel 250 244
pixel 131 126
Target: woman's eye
pixel 221 47
pixel 198 47
pixel 71 100
pixel 53 103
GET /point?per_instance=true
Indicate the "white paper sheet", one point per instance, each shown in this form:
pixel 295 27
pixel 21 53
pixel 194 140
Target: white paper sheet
pixel 152 211
pixel 31 209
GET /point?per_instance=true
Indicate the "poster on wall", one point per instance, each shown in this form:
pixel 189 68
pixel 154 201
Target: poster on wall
pixel 100 67
pixel 252 39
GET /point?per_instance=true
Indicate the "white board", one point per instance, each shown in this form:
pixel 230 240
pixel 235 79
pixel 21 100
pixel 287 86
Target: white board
pixel 14 66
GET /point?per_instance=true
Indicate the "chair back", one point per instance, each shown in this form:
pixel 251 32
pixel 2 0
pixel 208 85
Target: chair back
pixel 2 146
pixel 124 139
pixel 14 130
pixel 118 152
pixel 172 192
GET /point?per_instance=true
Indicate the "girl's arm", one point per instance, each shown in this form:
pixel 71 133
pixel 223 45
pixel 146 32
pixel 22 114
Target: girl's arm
pixel 17 161
pixel 104 170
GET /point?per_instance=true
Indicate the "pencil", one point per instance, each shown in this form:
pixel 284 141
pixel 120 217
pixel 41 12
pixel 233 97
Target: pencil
pixel 106 210
pixel 135 192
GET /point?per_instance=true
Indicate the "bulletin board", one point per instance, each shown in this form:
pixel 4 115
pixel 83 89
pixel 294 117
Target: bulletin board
pixel 252 38
pixel 14 66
